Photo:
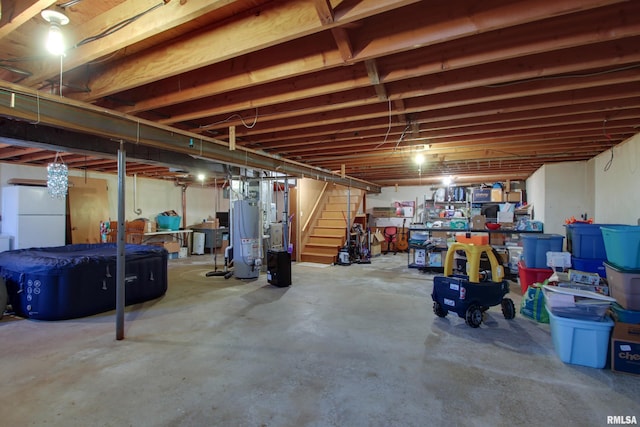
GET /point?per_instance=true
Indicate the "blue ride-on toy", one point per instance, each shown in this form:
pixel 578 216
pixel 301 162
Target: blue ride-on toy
pixel 471 295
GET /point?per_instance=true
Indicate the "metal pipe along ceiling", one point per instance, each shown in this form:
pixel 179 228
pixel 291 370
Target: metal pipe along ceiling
pixel 26 104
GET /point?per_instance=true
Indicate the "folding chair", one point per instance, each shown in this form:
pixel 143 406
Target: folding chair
pixel 390 236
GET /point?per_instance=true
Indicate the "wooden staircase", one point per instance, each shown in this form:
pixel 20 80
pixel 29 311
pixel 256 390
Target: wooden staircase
pixel 329 231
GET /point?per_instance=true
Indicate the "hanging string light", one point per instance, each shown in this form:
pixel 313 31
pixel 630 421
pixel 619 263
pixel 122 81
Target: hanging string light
pixel 57 178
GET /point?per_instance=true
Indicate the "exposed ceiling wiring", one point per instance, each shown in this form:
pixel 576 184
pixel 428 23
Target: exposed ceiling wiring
pixel 604 131
pixel 120 25
pixel 255 120
pixel 402 135
pixel 567 76
pixel 388 128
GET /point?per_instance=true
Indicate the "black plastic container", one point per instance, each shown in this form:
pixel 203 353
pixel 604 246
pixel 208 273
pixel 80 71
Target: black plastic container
pixel 279 268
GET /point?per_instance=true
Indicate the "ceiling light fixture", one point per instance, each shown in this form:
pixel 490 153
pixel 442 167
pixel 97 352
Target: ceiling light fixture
pixel 55 39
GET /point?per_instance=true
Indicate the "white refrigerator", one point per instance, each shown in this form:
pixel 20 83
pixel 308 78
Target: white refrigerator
pixel 32 217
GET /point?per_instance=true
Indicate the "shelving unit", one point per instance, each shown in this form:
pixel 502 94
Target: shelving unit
pixel 425 257
pixel 425 262
pixel 454 202
pixel 433 209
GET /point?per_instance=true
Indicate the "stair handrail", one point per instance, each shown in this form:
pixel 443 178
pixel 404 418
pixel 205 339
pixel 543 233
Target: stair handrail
pixel 315 207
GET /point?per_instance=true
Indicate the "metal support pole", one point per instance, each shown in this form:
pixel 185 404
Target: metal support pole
pixel 285 221
pixel 120 260
pixel 349 217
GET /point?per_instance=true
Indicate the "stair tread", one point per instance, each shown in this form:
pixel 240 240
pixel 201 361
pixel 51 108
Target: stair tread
pixel 319 254
pixel 324 245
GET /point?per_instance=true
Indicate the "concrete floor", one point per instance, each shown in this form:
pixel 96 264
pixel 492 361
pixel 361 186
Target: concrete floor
pixel 348 346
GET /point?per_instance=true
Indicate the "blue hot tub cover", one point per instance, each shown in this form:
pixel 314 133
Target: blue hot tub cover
pixel 72 281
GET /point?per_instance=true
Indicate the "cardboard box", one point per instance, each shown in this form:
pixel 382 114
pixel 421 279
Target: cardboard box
pixel 478 221
pixel 496 239
pixel 514 196
pixel 150 226
pixel 383 212
pixel 504 256
pixel 480 195
pixel 496 195
pixel 376 249
pixel 171 247
pixel 209 224
pixel 439 235
pixel 625 348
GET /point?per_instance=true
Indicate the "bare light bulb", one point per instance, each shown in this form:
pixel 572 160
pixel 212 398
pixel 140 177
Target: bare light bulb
pixel 55 40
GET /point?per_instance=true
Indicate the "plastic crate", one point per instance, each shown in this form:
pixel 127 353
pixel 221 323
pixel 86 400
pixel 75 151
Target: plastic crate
pixel 590 265
pixel 529 276
pixel 619 314
pixel 624 286
pixel 472 238
pixel 168 222
pixel 585 240
pixel 622 245
pixel 594 312
pixel 536 246
pixel 581 342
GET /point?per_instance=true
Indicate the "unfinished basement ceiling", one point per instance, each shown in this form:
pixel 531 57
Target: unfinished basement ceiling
pixel 484 90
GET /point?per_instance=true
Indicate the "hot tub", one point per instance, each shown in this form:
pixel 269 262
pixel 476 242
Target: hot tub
pixel 72 281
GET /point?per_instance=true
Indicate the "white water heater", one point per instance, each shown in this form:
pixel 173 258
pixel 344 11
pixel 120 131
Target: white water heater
pixel 246 239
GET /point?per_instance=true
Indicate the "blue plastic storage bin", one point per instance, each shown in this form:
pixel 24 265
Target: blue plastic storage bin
pixel 581 342
pixel 624 316
pixel 168 222
pixel 536 246
pixel 589 265
pixel 622 245
pixel 585 240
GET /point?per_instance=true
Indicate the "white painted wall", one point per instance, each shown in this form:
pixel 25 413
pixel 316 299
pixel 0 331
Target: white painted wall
pixel 536 193
pixel 389 195
pixel 565 195
pixel 617 184
pixel 606 188
pixel 153 196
